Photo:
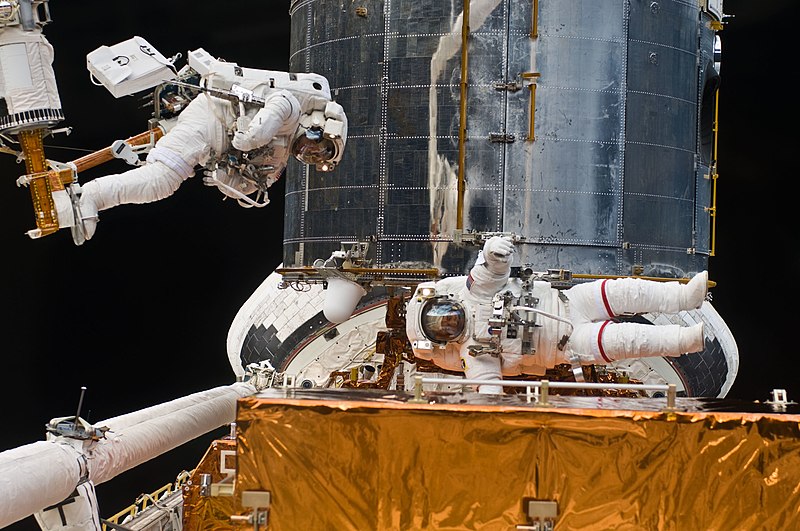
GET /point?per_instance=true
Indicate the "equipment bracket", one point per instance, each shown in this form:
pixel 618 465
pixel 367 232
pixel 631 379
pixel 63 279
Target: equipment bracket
pixel 542 515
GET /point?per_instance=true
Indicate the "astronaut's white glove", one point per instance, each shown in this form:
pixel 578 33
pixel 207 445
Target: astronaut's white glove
pixel 281 110
pixel 335 111
pixel 497 252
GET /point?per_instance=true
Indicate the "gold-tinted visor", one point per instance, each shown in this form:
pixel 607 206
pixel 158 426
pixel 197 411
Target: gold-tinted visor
pixel 313 148
pixel 442 320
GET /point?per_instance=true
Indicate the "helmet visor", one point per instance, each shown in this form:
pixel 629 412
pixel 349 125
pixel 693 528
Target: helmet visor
pixel 442 320
pixel 313 148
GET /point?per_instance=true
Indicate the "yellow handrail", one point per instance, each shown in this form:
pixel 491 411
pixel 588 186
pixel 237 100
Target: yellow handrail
pixel 141 502
pixel 712 211
pixel 532 112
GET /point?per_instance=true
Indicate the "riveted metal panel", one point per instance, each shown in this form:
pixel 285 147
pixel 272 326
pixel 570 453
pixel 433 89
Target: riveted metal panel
pixel 612 176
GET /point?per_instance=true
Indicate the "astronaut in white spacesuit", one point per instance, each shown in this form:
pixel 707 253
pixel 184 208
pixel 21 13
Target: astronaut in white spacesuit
pixel 243 147
pixel 473 324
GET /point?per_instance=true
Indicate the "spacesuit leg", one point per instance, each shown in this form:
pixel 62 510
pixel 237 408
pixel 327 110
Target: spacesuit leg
pixel 609 298
pixel 609 341
pixel 151 182
pixel 200 130
pixel 633 295
pixel 482 367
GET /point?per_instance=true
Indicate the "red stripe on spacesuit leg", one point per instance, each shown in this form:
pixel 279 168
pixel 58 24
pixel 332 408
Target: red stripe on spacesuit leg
pixel 605 298
pixel 600 341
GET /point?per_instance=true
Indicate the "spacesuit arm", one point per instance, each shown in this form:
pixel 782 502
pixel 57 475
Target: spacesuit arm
pixel 491 271
pixel 281 110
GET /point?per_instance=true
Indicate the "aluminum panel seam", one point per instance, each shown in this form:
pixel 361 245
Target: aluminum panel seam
pixel 667 46
pixel 653 144
pixel 660 95
pixel 626 13
pixel 384 128
pixel 321 239
pixel 500 200
pixel 309 19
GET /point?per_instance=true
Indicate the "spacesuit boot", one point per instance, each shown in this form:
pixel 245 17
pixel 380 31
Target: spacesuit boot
pixel 618 341
pixel 633 295
pixel 692 338
pixel 82 213
pixel 482 367
pixel 89 216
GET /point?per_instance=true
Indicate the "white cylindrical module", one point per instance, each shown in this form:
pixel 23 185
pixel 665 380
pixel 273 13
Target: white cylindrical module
pixel 45 473
pixel 28 91
pixel 36 476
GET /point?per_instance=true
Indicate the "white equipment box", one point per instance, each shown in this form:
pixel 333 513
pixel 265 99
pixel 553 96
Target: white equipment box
pixel 129 67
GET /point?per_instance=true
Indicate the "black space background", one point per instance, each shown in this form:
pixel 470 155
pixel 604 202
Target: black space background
pixel 140 314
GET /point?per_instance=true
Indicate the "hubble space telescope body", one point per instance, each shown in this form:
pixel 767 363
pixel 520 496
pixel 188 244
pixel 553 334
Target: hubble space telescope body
pixel 585 133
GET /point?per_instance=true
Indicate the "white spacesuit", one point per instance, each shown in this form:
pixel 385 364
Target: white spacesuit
pixel 490 326
pixel 244 147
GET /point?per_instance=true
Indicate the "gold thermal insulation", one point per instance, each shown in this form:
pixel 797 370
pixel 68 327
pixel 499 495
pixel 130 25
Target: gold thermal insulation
pixel 42 189
pixel 388 464
pixel 211 510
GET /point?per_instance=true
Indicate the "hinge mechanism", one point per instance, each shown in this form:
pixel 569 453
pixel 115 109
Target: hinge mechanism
pixel 511 86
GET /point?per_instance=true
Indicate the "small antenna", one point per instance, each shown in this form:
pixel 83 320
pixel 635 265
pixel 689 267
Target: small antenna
pixel 80 404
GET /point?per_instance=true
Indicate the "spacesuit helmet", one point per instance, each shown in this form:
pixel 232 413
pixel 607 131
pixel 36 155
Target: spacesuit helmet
pixel 313 148
pixel 443 319
pixel 321 136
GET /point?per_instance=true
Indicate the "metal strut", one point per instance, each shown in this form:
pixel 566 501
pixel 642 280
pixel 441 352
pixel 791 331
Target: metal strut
pixel 462 125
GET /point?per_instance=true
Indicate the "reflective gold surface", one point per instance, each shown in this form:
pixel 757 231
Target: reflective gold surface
pixel 211 513
pixel 387 464
pixel 44 207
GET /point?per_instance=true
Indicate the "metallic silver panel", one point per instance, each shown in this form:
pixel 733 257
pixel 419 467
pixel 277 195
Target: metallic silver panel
pixel 616 175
